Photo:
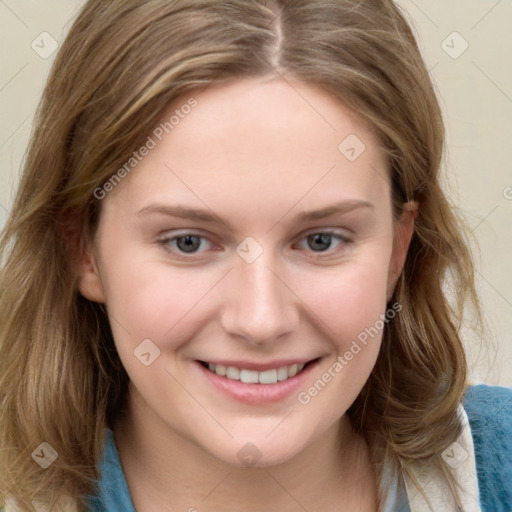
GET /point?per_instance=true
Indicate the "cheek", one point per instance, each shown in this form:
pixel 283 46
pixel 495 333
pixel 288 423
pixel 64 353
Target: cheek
pixel 352 309
pixel 148 300
pixel 135 298
pixel 151 299
pixel 350 299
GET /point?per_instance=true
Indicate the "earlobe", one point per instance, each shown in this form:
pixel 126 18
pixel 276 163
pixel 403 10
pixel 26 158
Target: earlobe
pixel 89 282
pixel 404 229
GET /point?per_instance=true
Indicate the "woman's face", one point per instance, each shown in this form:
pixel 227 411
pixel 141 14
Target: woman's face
pixel 253 243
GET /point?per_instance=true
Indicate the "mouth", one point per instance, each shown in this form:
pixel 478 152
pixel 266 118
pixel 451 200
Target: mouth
pixel 257 384
pixel 247 375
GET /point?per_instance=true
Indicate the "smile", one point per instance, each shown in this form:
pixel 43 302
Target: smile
pixel 248 376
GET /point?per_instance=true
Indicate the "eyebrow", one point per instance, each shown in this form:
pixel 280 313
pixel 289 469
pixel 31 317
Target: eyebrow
pixel 335 209
pixel 195 214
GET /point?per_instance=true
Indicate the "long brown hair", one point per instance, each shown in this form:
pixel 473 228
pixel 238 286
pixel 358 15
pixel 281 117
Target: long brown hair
pixel 122 63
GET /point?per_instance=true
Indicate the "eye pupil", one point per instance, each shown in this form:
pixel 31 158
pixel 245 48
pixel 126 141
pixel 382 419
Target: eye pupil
pixel 320 241
pixel 188 243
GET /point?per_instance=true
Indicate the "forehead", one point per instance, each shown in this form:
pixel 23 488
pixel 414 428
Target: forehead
pixel 260 142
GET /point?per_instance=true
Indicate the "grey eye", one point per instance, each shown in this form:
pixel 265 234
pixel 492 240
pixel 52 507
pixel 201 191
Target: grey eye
pixel 188 243
pixel 319 241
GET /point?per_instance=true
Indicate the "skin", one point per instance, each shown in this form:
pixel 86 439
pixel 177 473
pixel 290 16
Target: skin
pixel 255 154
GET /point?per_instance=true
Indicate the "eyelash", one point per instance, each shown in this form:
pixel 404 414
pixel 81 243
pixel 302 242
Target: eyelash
pixel 165 241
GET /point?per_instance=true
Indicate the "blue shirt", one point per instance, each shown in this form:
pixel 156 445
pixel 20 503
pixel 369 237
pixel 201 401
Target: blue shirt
pixel 489 410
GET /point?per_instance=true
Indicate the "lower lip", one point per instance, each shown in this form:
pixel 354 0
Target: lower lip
pixel 258 393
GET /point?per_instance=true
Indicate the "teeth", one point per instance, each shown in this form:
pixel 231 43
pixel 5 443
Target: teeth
pixel 282 373
pixel 292 370
pixel 253 376
pixel 249 376
pixel 268 377
pixel 231 373
pixel 220 370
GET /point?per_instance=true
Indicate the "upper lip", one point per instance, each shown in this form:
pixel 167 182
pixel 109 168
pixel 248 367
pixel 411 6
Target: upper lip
pixel 260 367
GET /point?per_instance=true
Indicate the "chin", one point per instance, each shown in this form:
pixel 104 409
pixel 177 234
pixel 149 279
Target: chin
pixel 259 452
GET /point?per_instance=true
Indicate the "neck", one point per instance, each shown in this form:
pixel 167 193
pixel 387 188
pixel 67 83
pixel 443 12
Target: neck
pixel 166 471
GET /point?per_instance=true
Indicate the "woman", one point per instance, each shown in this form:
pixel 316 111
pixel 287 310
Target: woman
pixel 224 277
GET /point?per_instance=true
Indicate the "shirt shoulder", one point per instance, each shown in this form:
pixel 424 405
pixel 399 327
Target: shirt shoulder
pixel 489 411
pixel 112 489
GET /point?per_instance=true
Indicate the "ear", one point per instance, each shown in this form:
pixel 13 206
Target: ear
pixel 89 281
pixel 404 229
pixel 81 252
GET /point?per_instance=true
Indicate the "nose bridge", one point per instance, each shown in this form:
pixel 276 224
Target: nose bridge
pixel 259 308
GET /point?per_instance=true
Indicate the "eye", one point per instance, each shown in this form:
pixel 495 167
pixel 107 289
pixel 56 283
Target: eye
pixel 324 240
pixel 187 243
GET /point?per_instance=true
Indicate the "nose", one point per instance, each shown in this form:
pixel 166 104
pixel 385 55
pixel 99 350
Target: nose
pixel 260 306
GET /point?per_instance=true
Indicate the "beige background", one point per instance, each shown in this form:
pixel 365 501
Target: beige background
pixel 476 94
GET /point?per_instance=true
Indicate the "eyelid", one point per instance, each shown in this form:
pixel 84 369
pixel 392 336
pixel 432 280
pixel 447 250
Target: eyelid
pixel 177 233
pixel 167 237
pixel 327 231
pixel 331 254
